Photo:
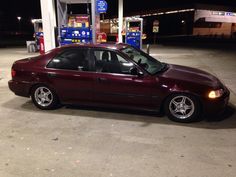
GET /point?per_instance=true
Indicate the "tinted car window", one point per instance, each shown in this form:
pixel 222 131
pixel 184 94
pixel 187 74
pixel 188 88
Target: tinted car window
pixel 148 63
pixel 73 59
pixel 111 62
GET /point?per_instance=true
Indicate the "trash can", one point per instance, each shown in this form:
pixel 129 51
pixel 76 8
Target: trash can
pixel 31 46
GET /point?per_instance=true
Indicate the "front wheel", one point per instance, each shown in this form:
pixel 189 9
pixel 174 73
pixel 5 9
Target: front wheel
pixel 182 108
pixel 44 98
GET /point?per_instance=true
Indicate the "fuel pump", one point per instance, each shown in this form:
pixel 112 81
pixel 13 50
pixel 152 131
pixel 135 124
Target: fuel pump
pixel 77 30
pixel 134 31
pixel 75 27
pixel 38 32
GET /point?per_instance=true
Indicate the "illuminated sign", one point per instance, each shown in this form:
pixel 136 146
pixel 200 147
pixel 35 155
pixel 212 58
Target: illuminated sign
pixel 223 13
pixel 215 16
pixel 101 6
pixel 155 28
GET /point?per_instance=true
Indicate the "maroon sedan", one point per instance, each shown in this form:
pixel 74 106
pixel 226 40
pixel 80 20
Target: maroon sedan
pixel 117 75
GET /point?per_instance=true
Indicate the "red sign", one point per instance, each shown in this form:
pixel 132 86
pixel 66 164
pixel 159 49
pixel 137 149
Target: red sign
pixel 41 45
pixel 78 21
pixel 101 37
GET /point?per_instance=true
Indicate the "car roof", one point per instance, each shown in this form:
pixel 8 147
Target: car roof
pixel 114 46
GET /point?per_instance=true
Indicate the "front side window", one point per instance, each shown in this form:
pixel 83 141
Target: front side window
pixel 111 62
pixel 151 65
pixel 73 59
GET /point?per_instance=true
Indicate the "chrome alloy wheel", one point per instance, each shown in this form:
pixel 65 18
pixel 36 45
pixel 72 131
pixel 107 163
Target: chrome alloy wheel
pixel 182 107
pixel 43 96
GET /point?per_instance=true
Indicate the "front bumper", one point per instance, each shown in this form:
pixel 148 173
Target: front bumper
pixel 20 88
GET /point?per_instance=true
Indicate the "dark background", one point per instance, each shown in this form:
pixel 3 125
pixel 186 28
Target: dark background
pixel 13 32
pixel 28 9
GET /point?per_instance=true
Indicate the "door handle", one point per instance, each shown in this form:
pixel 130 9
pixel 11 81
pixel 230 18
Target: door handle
pixel 52 75
pixel 101 79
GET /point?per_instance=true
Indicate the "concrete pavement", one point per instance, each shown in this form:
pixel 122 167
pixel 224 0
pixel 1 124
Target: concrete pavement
pixel 79 141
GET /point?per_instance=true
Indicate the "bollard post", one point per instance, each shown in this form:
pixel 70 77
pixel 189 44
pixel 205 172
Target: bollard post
pixel 148 49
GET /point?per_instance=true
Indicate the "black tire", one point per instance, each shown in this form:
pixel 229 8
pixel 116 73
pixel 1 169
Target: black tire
pixel 47 100
pixel 182 108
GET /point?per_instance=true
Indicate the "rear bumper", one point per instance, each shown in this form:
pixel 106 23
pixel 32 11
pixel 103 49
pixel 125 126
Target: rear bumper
pixel 20 88
pixel 217 106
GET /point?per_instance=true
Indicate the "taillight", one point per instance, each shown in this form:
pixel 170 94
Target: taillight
pixel 13 73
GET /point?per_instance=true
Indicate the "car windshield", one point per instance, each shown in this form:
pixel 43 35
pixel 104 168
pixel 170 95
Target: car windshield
pixel 148 63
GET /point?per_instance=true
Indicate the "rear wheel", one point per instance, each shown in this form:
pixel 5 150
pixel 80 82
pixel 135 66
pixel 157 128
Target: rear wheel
pixel 182 108
pixel 44 97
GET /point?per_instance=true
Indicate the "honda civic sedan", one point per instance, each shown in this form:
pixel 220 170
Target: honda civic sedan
pixel 117 75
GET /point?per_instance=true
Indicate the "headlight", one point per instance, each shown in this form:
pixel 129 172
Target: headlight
pixel 215 93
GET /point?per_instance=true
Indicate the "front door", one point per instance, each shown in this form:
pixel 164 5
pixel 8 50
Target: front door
pixel 115 85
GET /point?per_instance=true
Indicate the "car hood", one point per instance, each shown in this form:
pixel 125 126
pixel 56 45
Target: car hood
pixel 193 75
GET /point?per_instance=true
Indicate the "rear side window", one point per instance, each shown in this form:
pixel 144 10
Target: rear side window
pixel 73 59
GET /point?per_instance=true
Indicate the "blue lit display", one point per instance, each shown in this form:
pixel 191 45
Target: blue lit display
pixel 71 35
pixel 133 39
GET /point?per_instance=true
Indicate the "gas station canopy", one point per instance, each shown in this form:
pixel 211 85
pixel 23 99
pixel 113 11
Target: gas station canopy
pixel 50 10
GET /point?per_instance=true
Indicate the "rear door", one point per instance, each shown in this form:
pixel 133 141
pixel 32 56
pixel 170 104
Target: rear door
pixel 69 74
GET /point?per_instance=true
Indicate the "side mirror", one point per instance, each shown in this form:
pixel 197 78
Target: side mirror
pixel 136 72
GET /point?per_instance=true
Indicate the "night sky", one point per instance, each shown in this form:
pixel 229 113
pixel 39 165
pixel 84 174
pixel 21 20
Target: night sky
pixel 28 9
